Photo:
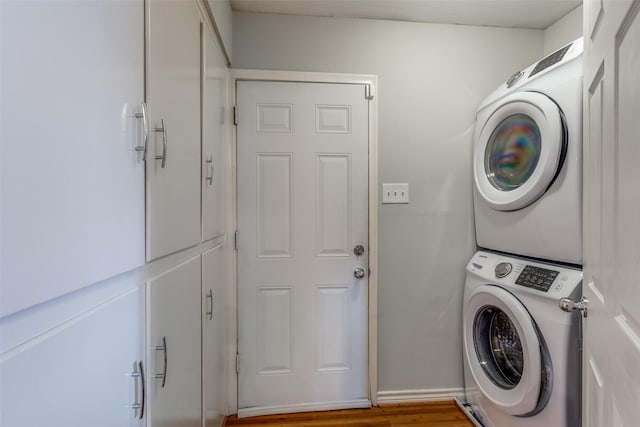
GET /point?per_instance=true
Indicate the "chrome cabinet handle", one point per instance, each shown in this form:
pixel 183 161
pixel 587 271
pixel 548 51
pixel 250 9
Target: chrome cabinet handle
pixel 163 348
pixel 209 173
pixel 145 131
pixel 143 397
pixel 210 304
pixel 138 372
pixel 359 273
pixel 162 129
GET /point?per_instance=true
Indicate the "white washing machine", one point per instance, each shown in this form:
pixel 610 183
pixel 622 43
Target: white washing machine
pixel 528 161
pixel 522 358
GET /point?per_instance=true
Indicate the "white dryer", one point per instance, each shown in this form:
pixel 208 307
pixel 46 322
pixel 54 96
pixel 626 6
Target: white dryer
pixel 522 365
pixel 527 161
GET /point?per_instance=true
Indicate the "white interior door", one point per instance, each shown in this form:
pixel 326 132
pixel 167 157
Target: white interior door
pixel 302 208
pixel 611 380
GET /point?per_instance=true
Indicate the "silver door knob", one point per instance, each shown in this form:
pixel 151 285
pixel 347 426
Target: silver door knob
pixel 359 273
pixel 567 304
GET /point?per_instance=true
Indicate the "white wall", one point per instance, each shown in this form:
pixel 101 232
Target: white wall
pixel 431 79
pixel 223 20
pixel 565 30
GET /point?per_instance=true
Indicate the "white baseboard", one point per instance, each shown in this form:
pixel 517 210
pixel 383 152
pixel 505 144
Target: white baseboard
pixel 406 396
pixel 306 407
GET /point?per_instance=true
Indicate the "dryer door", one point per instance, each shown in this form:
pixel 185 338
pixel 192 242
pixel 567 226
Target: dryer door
pixel 519 150
pixel 503 351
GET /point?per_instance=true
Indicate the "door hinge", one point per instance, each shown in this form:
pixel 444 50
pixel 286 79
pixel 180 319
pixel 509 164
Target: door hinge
pixel 236 240
pixel 368 92
pixel 235 115
pixel 237 363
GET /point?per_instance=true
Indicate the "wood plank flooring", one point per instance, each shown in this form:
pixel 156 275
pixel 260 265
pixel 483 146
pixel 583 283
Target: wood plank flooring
pixel 432 414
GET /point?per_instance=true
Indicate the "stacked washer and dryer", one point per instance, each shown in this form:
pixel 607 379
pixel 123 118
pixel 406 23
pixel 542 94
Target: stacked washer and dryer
pixel 522 358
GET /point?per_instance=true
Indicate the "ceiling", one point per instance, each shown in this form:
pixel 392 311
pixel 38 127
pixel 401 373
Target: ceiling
pixel 534 14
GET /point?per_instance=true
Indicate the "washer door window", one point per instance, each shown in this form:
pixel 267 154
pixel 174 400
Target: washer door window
pixel 518 151
pixel 498 347
pixel 503 351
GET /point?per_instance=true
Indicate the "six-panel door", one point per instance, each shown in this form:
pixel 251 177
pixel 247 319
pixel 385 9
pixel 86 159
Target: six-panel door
pixel 302 209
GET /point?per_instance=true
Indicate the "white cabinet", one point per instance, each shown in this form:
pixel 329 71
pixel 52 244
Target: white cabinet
pixel 215 151
pixel 174 347
pixel 173 153
pixel 72 186
pixel 214 386
pixel 78 374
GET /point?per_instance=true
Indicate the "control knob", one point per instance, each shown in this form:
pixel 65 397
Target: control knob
pixel 503 269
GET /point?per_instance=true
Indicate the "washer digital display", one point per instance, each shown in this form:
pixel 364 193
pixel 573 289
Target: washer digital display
pixel 537 278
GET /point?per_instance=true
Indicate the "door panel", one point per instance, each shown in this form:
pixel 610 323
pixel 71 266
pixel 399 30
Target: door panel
pixel 302 207
pixel 214 381
pixel 173 314
pixel 78 374
pixel 173 97
pixel 611 332
pixel 72 186
pixel 215 155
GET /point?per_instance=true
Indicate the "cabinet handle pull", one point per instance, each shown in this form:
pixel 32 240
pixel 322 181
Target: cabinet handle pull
pixel 210 304
pixel 162 129
pixel 163 348
pixel 145 131
pixel 209 172
pixel 142 400
pixel 138 372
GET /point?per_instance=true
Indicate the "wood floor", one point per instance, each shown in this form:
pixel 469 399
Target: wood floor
pixel 432 414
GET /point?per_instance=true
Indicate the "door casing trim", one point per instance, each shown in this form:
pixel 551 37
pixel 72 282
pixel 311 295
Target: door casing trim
pixel 236 75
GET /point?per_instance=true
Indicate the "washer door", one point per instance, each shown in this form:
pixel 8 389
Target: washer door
pixel 503 351
pixel 519 151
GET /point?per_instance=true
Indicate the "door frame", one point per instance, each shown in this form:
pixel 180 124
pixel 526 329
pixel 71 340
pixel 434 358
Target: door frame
pixel 370 81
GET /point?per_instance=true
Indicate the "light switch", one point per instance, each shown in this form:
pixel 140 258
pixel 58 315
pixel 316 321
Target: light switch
pixel 395 193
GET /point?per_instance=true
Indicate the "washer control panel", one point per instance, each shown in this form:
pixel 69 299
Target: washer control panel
pixel 537 278
pixel 503 269
pixel 526 276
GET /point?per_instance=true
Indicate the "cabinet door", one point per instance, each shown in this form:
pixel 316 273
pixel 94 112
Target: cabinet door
pixel 214 136
pixel 173 154
pixel 174 347
pixel 78 374
pixel 213 336
pixel 72 198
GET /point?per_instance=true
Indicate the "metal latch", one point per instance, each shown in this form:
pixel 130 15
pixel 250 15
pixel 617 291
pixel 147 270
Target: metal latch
pixel 568 305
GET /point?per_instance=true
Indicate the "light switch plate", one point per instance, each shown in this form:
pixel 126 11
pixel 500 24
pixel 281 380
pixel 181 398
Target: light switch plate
pixel 395 193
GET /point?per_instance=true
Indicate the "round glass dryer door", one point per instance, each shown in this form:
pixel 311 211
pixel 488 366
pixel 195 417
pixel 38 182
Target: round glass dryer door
pixel 518 151
pixel 503 351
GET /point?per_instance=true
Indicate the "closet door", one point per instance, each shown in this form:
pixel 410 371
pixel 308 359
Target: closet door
pixel 72 77
pixel 82 373
pixel 174 347
pixel 213 336
pixel 215 152
pixel 173 153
